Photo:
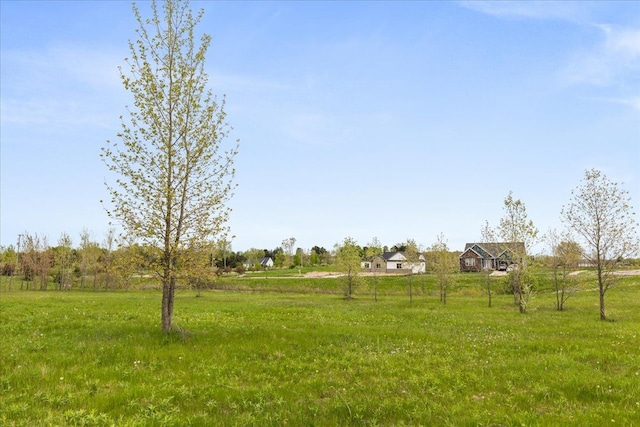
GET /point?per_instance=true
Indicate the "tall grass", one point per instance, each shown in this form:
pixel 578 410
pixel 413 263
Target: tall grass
pixel 237 358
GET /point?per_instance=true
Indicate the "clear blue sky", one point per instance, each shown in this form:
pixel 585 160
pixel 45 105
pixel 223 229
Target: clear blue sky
pixel 389 119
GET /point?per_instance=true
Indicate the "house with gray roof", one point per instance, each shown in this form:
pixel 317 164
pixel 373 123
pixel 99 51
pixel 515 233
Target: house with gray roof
pixel 266 262
pixel 491 256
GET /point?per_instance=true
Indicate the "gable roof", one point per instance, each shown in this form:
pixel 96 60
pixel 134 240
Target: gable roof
pixel 394 256
pixel 481 251
pixel 495 250
pixel 399 256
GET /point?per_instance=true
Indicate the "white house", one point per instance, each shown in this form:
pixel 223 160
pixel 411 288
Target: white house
pixel 393 262
pixel 265 262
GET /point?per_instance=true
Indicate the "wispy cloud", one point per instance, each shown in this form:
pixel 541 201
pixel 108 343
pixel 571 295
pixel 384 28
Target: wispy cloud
pixel 623 41
pixel 246 83
pixel 566 11
pixel 62 64
pixel 614 63
pixel 315 128
pixel 52 113
pixel 60 85
pixel 633 102
pixel 334 130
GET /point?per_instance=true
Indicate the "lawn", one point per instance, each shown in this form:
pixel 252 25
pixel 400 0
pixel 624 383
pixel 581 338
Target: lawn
pixel 314 359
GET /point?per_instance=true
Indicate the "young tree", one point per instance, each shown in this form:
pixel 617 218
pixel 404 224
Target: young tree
pixel 36 259
pixel 348 257
pixel 83 255
pixel 488 236
pixel 8 263
pixel 107 257
pixel 196 265
pixel 314 259
pixel 444 265
pixel 564 259
pixel 127 260
pixel 517 230
pixel 601 214
pixel 63 258
pixel 412 254
pixel 287 247
pixel 224 250
pixel 374 249
pixel 175 177
pixel 279 258
pixel 88 255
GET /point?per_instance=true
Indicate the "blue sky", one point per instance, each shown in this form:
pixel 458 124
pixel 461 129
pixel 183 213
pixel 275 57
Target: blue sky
pixel 393 120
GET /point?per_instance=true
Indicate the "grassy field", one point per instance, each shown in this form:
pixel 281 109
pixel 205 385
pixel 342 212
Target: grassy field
pixel 313 359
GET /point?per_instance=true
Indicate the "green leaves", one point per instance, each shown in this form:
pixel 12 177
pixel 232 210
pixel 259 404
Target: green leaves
pixel 348 258
pixel 515 225
pixel 175 174
pixel 601 214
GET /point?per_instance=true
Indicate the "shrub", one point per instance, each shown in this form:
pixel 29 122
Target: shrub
pixel 8 269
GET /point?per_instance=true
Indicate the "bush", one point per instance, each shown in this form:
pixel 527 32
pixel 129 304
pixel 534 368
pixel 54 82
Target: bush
pixel 8 269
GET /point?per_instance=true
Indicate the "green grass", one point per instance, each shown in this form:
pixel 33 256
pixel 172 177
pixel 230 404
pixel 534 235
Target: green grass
pixel 469 284
pixel 282 358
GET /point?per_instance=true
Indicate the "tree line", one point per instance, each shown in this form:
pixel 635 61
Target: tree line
pixel 111 263
pixel 36 264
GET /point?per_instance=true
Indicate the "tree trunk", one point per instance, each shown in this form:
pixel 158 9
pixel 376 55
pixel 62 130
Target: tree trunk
pixel 167 304
pixel 602 312
pixel 601 286
pixel 557 288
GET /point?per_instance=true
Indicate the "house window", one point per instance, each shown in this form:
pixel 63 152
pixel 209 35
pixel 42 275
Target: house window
pixel 366 265
pixel 378 265
pixel 399 265
pixel 470 262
